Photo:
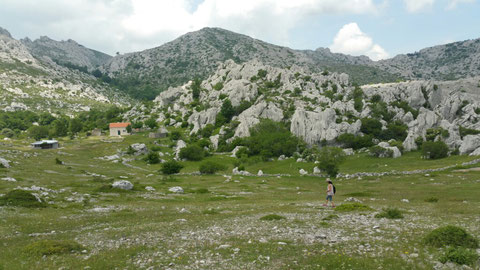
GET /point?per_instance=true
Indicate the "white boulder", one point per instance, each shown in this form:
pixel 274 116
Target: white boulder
pixel 178 190
pixel 123 184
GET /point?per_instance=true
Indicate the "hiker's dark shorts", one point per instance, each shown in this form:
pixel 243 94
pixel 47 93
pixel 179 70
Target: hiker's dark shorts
pixel 329 197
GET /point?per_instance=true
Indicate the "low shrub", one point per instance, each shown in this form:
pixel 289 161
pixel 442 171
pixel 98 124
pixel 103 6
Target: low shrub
pixel 390 213
pixel 152 158
pixel 459 256
pixel 210 167
pixel 51 247
pixel 349 207
pixel 58 161
pixel 171 167
pixel 201 191
pixel 431 199
pixel 330 217
pixel 192 153
pixel 434 150
pixel 450 236
pixel 22 198
pixel 272 217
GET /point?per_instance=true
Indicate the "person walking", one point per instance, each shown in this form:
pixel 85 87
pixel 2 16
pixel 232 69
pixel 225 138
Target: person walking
pixel 330 193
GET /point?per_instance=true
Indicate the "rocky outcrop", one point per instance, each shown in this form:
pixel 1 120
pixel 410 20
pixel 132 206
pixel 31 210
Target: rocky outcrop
pixel 315 127
pixel 252 116
pixel 122 184
pixel 470 143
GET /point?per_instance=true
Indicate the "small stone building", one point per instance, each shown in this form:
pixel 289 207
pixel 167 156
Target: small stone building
pixel 160 133
pixel 46 144
pixel 119 129
pixel 97 132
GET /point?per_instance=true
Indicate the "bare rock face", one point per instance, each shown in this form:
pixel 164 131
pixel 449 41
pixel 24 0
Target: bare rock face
pixel 470 143
pixel 252 115
pixel 203 118
pixel 180 144
pixel 139 148
pixel 314 127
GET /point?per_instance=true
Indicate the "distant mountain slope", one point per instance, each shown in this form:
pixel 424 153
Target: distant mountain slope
pixel 444 62
pixel 197 54
pixel 39 84
pixel 66 53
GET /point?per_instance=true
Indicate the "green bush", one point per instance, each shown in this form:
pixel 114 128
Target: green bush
pixel 390 213
pixel 459 255
pixel 431 199
pixel 451 236
pixel 171 167
pixel 395 130
pixel 210 167
pixel 272 217
pixel 152 158
pixel 468 131
pixel 51 247
pixel 58 161
pixel 6 132
pixel 22 198
pixel 218 86
pixel 350 207
pixel 371 126
pixel 175 135
pixel 434 150
pixel 270 139
pixel 356 142
pixel 192 153
pixel 329 159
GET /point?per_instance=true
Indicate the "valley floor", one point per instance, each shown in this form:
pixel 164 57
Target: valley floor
pixel 217 222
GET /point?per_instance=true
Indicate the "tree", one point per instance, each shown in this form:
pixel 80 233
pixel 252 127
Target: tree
pixel 171 167
pixel 371 126
pixel 75 125
pixel 60 127
pixel 151 123
pixel 196 87
pixel 38 132
pixel 271 139
pixel 129 128
pixel 329 159
pixel 227 110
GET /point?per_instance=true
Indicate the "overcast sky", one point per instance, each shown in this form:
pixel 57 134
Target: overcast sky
pixel 376 28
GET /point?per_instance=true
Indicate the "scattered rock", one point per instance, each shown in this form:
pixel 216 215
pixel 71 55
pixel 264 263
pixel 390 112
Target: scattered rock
pixel 5 163
pixel 178 190
pixel 9 179
pixel 123 184
pixel 149 188
pixel 260 173
pixel 303 172
pixel 139 148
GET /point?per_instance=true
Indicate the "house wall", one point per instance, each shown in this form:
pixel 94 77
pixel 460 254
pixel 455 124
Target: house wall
pixel 114 131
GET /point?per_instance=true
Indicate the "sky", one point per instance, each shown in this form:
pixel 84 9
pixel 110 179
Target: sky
pixel 379 29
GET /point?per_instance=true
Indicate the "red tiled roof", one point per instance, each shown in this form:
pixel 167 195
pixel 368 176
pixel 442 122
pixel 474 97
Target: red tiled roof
pixel 119 125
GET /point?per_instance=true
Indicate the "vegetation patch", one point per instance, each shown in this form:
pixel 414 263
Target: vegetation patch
pixel 451 236
pixel 51 247
pixel 330 217
pixel 272 217
pixel 210 167
pixel 431 199
pixel 459 255
pixel 349 207
pixel 390 213
pixel 21 198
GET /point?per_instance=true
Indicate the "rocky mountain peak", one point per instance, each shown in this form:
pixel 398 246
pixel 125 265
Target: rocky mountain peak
pixel 4 32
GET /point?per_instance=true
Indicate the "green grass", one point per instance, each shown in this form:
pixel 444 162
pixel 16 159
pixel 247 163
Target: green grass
pixel 51 247
pixel 119 229
pixel 21 198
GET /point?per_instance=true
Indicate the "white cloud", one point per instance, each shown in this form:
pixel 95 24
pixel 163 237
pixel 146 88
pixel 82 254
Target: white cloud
pixel 351 40
pixel 128 25
pixel 418 5
pixel 453 3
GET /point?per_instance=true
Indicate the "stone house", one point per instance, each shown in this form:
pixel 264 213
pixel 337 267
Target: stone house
pixel 119 129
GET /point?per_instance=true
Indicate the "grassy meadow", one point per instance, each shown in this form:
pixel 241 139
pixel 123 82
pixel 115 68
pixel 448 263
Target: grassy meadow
pixel 218 222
